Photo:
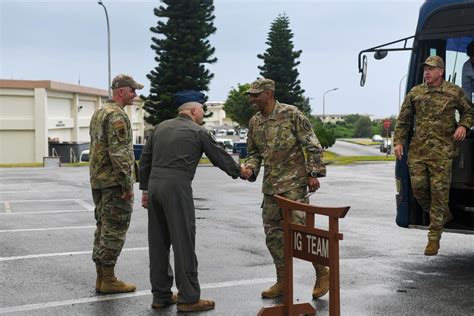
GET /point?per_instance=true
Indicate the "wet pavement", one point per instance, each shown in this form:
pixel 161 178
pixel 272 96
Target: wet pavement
pixel 47 225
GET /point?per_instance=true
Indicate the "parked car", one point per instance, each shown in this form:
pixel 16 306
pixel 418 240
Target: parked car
pixel 221 132
pixel 386 146
pixel 243 134
pixel 231 131
pixel 226 143
pixel 84 157
pixel 377 138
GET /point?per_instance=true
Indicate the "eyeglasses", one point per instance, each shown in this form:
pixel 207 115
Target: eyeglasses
pixel 253 95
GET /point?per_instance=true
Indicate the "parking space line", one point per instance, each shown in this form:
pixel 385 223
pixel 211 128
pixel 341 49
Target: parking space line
pixel 32 191
pixel 43 229
pixel 31 183
pixel 46 212
pixel 8 207
pixel 30 307
pixel 45 200
pixel 61 254
pixel 84 204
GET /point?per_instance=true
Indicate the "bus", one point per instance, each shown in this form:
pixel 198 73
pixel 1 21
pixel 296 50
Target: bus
pixel 445 28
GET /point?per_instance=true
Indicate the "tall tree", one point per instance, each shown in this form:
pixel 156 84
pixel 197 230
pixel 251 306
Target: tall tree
pixel 182 50
pixel 280 61
pixel 238 107
pixel 363 127
pixel 325 136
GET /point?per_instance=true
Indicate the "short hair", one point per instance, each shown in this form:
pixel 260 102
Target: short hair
pixel 188 106
pixel 470 49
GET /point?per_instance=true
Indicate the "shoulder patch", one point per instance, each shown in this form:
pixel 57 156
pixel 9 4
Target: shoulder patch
pixel 306 124
pixel 119 124
pixel 213 137
pixel 120 130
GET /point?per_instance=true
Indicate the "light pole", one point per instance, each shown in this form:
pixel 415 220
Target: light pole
pixel 400 92
pixel 324 95
pixel 108 41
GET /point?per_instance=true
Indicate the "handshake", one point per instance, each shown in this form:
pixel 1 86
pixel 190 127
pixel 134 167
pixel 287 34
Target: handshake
pixel 246 171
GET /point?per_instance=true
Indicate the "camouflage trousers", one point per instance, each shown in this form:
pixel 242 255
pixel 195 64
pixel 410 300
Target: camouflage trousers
pixel 272 216
pixel 112 215
pixel 431 181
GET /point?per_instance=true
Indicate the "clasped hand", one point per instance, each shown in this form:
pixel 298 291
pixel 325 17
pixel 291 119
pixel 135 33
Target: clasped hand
pixel 245 171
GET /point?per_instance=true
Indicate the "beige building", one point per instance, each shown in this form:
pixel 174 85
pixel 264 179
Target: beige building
pixel 334 118
pixel 31 112
pixel 218 117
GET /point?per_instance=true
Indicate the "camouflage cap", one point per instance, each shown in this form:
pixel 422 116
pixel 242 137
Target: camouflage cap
pixel 434 61
pixel 261 84
pixel 125 81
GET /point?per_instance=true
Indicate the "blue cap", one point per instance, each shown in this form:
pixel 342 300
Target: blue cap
pixel 182 97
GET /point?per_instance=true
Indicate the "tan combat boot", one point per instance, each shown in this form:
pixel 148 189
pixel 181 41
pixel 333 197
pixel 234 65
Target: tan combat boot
pixel 110 284
pixel 98 281
pixel 321 286
pixel 432 248
pixel 277 288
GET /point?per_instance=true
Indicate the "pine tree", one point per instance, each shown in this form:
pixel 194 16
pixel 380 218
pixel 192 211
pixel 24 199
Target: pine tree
pixel 279 63
pixel 182 50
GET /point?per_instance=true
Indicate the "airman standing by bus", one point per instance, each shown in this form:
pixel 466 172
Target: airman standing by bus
pixel 432 105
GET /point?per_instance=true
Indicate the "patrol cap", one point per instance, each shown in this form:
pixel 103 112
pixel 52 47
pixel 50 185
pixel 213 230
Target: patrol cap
pixel 182 97
pixel 123 80
pixel 434 61
pixel 261 84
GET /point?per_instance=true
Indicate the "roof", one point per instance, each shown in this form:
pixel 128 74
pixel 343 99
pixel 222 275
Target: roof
pixel 52 85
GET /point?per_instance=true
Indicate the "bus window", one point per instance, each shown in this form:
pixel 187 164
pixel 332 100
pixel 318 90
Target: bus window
pixel 456 57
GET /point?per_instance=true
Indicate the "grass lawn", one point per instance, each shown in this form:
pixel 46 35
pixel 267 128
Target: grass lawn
pixel 331 158
pixel 328 158
pixel 360 141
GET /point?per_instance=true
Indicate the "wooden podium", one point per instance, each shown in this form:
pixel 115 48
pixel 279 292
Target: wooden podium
pixel 310 244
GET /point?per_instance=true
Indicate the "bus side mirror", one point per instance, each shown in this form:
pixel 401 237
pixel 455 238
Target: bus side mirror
pixel 363 71
pixel 380 54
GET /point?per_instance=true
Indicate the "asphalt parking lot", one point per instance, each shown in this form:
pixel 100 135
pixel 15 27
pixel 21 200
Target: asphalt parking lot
pixel 47 225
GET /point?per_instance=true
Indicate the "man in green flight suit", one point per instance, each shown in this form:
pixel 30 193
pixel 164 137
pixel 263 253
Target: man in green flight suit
pixel 112 174
pixel 167 168
pixel 434 142
pixel 282 139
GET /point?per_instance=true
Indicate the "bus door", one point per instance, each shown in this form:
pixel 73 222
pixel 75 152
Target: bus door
pixel 445 28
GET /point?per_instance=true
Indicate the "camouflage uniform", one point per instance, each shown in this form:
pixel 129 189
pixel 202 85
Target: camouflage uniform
pixel 112 173
pixel 432 147
pixel 280 141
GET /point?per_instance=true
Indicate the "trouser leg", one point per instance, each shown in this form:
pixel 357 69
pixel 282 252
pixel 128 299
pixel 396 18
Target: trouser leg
pixel 178 206
pixel 420 183
pixel 97 198
pixel 114 218
pixel 161 274
pixel 440 174
pixel 272 217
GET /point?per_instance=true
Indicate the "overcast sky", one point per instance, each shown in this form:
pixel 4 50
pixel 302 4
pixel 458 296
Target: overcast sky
pixel 64 40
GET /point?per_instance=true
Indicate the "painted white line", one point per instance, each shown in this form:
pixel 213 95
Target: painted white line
pixel 61 254
pixel 43 229
pixel 17 178
pixel 46 200
pixel 32 191
pixel 8 207
pixel 30 307
pixel 84 204
pixel 32 183
pixel 47 212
